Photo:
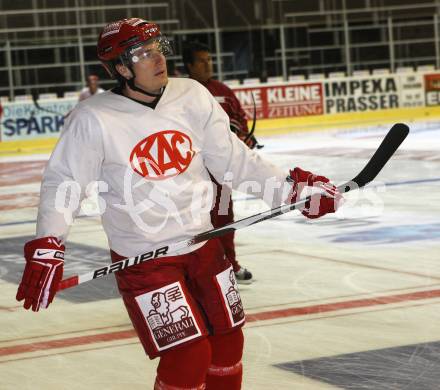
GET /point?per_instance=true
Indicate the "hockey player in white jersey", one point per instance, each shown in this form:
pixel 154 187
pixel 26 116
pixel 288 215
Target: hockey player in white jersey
pixel 149 143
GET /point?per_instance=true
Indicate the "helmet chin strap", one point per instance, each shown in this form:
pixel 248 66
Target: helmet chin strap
pixel 132 86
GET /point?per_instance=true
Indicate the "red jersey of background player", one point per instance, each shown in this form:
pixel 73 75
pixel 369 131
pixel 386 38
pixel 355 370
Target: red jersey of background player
pixel 229 102
pixel 198 63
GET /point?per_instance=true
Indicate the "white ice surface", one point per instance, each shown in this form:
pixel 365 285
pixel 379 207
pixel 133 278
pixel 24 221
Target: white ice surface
pixel 384 242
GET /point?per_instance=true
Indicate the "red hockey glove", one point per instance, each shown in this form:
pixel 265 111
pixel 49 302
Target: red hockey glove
pixel 42 273
pixel 319 205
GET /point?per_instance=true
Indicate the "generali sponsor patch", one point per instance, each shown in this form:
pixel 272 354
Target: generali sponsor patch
pixel 169 316
pixel 231 297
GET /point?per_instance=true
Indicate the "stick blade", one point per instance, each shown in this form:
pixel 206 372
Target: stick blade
pixel 387 148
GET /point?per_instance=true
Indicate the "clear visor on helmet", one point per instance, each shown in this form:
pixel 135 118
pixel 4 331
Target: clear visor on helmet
pixel 148 50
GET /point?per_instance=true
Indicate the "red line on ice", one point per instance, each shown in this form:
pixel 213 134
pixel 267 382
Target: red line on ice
pixel 326 307
pixel 267 315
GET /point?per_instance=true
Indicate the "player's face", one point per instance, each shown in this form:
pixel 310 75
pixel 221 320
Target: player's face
pixel 93 84
pixel 201 68
pixel 150 67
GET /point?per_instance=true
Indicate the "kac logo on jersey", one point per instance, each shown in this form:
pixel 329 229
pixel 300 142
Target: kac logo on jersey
pixel 162 155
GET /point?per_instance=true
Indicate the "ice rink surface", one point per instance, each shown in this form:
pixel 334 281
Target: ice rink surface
pixel 349 301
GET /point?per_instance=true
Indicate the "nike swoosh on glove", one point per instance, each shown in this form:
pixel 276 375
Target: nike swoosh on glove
pixel 42 273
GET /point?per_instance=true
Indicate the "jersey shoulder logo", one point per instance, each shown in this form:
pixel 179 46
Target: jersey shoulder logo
pixel 162 155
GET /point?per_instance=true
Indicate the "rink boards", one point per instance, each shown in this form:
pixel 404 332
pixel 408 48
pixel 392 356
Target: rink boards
pixel 268 127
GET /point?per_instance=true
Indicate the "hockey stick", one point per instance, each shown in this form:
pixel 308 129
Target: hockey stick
pixel 250 135
pixel 389 145
pixel 254 121
pixel 38 107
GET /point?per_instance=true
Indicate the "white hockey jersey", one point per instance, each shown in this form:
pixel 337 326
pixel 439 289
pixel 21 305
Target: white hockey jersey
pixel 153 167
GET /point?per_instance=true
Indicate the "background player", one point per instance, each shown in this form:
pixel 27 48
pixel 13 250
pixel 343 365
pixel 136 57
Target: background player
pixel 198 64
pixel 92 87
pixel 151 138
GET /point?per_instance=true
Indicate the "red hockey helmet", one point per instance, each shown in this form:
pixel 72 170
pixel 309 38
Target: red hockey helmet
pixel 117 37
